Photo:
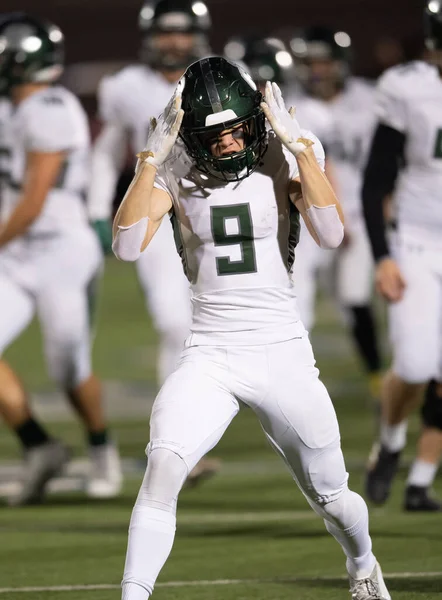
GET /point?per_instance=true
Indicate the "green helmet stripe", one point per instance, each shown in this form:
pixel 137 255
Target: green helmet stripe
pixel 211 89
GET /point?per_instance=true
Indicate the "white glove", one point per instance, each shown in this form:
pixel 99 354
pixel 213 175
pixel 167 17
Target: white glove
pixel 283 122
pixel 163 132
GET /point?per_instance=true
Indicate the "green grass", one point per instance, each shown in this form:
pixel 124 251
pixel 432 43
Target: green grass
pixel 250 523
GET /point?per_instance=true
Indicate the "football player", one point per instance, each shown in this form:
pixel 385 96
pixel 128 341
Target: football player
pixel 322 58
pixel 226 185
pixel 49 255
pixel 175 33
pixel 406 155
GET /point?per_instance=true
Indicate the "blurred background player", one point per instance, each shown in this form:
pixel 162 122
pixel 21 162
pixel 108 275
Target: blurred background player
pixel 174 34
pixel 406 156
pixel 322 57
pixel 49 255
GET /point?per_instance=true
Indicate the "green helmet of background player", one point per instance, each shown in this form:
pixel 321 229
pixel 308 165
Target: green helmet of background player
pixel 266 59
pixel 168 17
pixel 217 96
pixel 31 51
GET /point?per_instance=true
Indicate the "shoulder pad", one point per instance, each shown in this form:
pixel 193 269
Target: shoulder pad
pixel 403 77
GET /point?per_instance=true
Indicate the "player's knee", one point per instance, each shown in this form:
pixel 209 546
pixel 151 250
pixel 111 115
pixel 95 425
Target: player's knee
pixel 165 474
pixel 69 363
pixel 327 476
pixel 432 407
pixel 347 509
pixel 416 367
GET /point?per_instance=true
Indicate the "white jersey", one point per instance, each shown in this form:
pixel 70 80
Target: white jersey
pixel 131 97
pixel 410 101
pixel 50 120
pixel 354 120
pixel 237 242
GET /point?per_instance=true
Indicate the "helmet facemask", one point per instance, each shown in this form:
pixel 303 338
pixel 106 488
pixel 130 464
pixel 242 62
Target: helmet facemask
pixel 228 103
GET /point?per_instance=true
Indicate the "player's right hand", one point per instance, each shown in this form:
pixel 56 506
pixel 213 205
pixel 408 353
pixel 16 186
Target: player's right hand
pixel 163 131
pixel 389 281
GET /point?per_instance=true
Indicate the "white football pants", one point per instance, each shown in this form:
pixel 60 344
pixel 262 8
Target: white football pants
pixel 416 321
pixel 167 294
pixel 280 383
pixel 54 277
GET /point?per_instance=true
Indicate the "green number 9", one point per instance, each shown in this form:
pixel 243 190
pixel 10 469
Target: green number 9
pixel 243 238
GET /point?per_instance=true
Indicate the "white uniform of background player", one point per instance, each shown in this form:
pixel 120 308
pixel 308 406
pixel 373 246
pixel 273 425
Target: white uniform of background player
pixel 407 154
pixel 322 63
pixel 247 343
pixel 127 101
pixel 353 118
pixel 410 100
pixel 348 123
pixel 53 266
pixel 49 255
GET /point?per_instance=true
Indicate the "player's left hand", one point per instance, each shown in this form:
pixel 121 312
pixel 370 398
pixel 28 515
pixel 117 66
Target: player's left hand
pixel 283 122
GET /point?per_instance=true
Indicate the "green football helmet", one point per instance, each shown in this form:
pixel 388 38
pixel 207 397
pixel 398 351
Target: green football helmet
pixel 266 59
pixel 31 51
pixel 188 17
pixel 219 95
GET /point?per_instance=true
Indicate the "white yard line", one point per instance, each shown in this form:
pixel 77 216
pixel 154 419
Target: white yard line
pixel 247 517
pixel 213 582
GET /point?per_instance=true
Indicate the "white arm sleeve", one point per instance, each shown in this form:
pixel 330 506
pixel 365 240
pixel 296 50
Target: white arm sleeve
pixel 127 243
pixel 327 225
pixel 108 158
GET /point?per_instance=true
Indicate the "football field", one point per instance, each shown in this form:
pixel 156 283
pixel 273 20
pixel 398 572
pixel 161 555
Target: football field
pixel 246 534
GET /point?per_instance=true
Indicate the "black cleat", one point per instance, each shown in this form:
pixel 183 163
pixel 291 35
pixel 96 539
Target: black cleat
pixel 417 499
pixel 381 470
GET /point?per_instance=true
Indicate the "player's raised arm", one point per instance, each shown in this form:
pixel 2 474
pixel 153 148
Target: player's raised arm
pixel 311 192
pixel 144 206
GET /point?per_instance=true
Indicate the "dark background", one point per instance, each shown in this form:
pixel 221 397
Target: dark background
pixel 105 30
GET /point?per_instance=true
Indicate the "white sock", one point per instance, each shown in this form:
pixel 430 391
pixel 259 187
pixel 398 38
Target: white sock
pixel 362 566
pixel 151 535
pixel 347 521
pixel 394 437
pixel 422 473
